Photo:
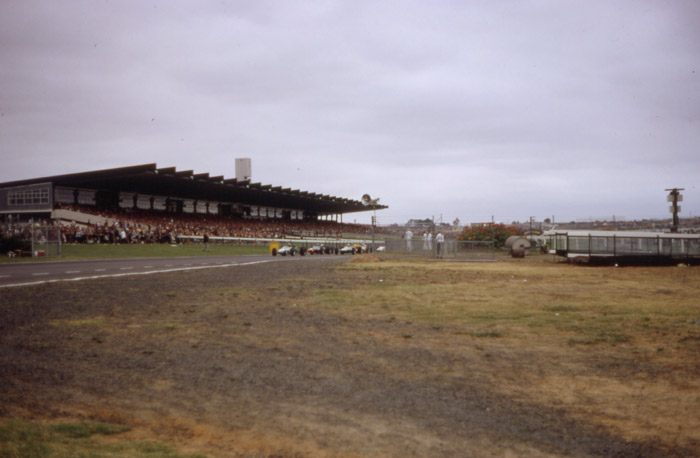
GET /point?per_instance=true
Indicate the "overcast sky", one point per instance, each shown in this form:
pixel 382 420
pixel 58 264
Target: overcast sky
pixel 453 109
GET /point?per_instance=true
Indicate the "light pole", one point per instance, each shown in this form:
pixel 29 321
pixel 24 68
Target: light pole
pixel 674 196
pixel 368 201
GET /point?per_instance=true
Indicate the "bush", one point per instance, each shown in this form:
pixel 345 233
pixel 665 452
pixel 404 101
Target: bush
pixel 496 232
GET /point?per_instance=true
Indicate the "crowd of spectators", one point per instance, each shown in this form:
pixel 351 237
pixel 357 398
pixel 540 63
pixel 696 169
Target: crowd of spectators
pixel 141 226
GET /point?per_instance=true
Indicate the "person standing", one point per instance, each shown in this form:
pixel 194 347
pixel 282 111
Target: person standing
pixel 440 241
pixel 409 236
pixel 205 239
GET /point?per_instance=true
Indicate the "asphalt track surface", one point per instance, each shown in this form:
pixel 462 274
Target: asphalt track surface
pixel 35 273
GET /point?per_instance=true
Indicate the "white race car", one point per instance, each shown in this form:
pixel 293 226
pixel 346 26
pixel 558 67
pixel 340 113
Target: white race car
pixel 284 251
pixel 347 249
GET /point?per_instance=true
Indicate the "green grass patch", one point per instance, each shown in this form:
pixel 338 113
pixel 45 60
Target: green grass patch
pixel 23 439
pixel 87 429
pixel 93 322
pixel 612 338
pixel 501 316
pixel 481 333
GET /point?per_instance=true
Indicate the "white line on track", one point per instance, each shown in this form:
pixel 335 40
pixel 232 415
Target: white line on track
pixel 72 271
pixel 4 276
pixel 148 267
pixel 125 268
pixel 100 270
pixel 40 273
pixel 127 274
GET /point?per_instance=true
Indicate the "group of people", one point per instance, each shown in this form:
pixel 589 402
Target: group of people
pixel 427 242
pixel 141 226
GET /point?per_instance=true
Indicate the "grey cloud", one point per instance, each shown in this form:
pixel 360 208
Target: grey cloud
pixel 460 108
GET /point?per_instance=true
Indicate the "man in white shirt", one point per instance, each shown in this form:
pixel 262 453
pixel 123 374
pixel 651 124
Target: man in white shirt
pixel 409 236
pixel 440 239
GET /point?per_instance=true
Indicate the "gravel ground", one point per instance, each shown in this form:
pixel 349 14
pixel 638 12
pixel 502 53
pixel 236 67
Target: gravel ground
pixel 231 362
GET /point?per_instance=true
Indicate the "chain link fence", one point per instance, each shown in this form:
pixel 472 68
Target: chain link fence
pixel 449 249
pixel 30 240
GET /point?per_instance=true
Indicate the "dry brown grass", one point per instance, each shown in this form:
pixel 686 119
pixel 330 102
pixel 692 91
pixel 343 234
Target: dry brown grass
pixel 616 346
pixel 359 258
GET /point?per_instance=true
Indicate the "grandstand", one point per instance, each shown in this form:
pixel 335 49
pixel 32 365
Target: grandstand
pixel 145 196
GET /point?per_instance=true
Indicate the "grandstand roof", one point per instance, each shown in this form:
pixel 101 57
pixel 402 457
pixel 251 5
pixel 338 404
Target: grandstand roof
pixel 150 180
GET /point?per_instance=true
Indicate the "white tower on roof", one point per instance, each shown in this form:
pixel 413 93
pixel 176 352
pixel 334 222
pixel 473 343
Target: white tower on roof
pixel 243 169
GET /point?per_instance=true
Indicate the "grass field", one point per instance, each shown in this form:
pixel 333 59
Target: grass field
pixel 618 346
pixel 612 348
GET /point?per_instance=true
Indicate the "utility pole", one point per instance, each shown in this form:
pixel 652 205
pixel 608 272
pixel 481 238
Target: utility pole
pixel 674 196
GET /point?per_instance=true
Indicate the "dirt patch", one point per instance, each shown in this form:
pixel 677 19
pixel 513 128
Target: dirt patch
pixel 239 362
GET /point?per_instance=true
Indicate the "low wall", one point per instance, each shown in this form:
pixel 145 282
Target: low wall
pixel 78 217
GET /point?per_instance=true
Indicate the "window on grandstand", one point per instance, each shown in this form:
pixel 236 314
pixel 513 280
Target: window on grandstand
pixel 159 203
pixel 64 195
pixel 86 197
pixel 126 200
pixel 144 202
pixel 28 197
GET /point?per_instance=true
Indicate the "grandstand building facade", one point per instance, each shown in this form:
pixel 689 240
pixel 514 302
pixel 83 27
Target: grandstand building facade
pixel 149 188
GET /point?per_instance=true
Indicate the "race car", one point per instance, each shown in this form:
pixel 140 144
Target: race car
pixel 347 249
pixel 316 250
pixel 354 248
pixel 284 251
